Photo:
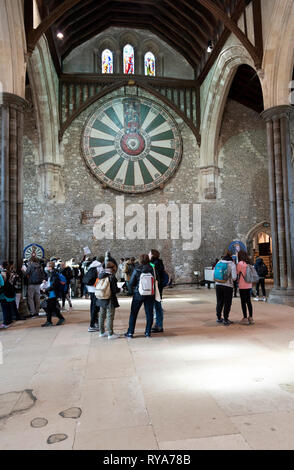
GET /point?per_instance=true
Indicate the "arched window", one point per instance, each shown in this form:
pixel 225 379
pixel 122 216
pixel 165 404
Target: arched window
pixel 149 63
pixel 129 61
pixel 107 61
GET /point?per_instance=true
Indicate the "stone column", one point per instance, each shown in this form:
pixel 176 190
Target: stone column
pixel 281 202
pixel 12 122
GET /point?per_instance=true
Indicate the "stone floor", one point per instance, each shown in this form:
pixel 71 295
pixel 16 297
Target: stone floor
pixel 199 385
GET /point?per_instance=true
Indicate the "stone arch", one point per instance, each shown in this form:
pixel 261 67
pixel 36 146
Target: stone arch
pixel 132 39
pixel 44 87
pixel 262 227
pixel 149 45
pixel 12 48
pixel 278 58
pixel 216 97
pixel 106 43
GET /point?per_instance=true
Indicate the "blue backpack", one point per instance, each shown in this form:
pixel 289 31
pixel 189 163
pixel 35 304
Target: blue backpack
pixel 221 272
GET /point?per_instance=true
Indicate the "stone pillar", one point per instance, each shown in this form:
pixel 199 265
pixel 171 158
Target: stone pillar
pixel 281 202
pixel 12 122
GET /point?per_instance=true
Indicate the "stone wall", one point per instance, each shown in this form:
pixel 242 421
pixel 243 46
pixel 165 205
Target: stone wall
pixel 63 229
pixel 169 63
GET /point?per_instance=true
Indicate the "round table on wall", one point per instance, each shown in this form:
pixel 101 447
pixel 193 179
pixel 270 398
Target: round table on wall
pixel 132 144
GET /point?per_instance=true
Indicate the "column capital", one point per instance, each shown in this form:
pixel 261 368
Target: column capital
pixel 9 99
pixel 277 112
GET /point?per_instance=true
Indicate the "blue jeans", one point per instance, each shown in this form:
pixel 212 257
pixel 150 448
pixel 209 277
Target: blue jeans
pixel 159 314
pixel 137 302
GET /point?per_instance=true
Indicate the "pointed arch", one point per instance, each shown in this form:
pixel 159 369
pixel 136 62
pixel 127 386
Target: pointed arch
pixel 278 58
pixel 216 97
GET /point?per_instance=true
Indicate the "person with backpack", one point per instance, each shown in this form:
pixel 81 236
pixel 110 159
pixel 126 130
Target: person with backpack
pixel 67 274
pixel 245 288
pixel 142 282
pixel 53 291
pixel 262 272
pixel 89 280
pixel 156 262
pixel 105 292
pixel 35 275
pixel 224 275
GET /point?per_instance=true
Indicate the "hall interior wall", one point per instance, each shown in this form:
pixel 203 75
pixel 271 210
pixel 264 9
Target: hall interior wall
pixel 65 228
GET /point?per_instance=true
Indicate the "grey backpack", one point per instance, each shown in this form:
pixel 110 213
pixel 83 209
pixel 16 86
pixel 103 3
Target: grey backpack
pixel 251 275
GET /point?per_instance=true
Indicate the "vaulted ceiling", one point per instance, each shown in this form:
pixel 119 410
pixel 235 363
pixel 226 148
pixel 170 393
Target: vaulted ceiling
pixel 186 25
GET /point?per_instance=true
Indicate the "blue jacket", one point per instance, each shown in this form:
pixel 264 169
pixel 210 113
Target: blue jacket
pixel 53 290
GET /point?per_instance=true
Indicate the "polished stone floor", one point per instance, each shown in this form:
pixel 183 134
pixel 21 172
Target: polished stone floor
pixel 199 385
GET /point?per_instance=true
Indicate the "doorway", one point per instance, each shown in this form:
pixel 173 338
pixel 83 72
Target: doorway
pixel 259 245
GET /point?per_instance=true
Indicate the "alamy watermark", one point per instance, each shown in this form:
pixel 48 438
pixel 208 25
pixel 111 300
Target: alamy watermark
pixel 149 222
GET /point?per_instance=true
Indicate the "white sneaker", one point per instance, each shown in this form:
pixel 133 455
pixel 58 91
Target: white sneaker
pixel 264 299
pixel 102 335
pixel 244 321
pixel 4 327
pixel 251 321
pixel 113 336
pixel 256 298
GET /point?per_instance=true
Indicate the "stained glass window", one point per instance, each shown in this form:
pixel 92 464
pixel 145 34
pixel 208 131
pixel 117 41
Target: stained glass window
pixel 107 61
pixel 129 62
pixel 149 61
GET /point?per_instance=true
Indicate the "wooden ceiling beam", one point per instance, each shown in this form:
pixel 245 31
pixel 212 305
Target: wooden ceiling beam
pixel 233 27
pixel 185 51
pixel 198 38
pixel 35 34
pixel 195 9
pixel 197 24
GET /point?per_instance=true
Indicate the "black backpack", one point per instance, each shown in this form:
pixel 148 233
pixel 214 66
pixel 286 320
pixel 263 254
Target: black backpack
pixel 262 270
pixel 9 290
pixel 37 276
pixel 90 277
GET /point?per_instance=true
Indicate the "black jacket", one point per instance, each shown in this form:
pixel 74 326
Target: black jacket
pixel 113 288
pixel 159 267
pixel 135 279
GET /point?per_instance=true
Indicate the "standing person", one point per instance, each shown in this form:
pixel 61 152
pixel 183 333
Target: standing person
pixel 262 272
pixel 235 283
pixel 224 274
pixel 128 271
pixel 67 273
pixel 244 288
pixel 157 263
pixel 76 274
pixel 95 268
pixel 53 291
pixel 7 296
pixel 84 266
pixel 35 275
pixel 109 258
pixel 120 273
pixel 138 299
pixel 108 305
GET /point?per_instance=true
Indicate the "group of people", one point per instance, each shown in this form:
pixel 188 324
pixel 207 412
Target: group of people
pixel 237 273
pixel 55 279
pixel 102 307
